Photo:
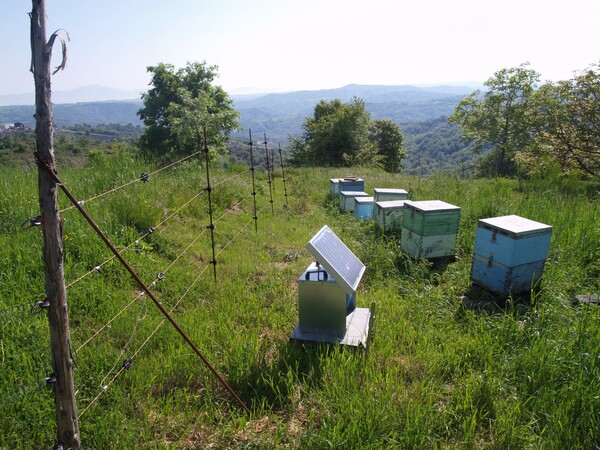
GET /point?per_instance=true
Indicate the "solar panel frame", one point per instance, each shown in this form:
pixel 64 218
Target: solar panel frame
pixel 337 259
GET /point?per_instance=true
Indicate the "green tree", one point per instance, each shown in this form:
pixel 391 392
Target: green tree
pixel 179 105
pixel 569 116
pixel 337 135
pixel 388 138
pixel 502 118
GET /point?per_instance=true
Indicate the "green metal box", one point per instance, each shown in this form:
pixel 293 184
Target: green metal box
pixel 322 303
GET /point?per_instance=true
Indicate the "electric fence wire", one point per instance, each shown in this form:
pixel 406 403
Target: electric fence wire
pixel 127 363
pixel 161 323
pixel 142 178
pixel 134 243
pixel 147 233
pixel 141 294
pixel 126 307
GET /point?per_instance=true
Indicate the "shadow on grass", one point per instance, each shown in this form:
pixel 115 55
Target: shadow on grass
pixel 484 301
pixel 272 383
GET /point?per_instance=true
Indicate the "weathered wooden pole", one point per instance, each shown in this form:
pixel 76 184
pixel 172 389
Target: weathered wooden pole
pixel 60 340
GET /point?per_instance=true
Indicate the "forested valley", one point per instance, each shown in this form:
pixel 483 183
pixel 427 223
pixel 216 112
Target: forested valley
pixel 431 143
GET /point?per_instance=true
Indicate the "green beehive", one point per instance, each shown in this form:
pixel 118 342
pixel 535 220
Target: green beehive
pixel 429 229
pixel 389 215
pixel 386 194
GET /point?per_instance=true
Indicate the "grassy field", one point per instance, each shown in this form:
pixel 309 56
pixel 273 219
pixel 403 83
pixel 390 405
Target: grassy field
pixel 436 375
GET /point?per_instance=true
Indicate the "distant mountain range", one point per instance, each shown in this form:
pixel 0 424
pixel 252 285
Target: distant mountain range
pixel 106 105
pixel 421 112
pixel 78 95
pixel 283 114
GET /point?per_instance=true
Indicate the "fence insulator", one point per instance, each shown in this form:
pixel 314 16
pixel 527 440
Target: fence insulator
pixel 33 222
pixel 51 379
pixel 127 363
pixel 160 276
pixel 43 304
pixel 144 177
pixel 151 230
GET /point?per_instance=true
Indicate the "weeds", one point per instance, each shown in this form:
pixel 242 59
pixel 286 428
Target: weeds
pixel 437 375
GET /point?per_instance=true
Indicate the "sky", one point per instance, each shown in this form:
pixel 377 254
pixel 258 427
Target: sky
pixel 277 45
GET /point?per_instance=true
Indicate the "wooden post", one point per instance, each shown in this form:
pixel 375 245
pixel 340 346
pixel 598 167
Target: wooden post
pixel 60 339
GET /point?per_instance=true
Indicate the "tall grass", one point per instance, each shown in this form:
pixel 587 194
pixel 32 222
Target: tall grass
pixel 525 375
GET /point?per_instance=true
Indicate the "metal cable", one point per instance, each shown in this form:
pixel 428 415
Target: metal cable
pixel 157 328
pixel 105 326
pixel 95 269
pixel 143 178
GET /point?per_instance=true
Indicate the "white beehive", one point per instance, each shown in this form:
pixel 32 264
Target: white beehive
pixel 334 187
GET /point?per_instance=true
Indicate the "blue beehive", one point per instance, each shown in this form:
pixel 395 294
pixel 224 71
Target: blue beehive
pixel 351 184
pixel 363 208
pixel 510 252
pixel 347 199
pixel 334 187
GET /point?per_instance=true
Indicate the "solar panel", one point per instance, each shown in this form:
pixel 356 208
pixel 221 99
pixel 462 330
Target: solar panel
pixel 336 258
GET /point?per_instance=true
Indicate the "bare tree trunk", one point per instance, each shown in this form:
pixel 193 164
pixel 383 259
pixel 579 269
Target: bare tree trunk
pixel 62 361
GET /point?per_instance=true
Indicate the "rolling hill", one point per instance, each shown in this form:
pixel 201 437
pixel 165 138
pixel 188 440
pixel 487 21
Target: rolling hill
pixel 430 141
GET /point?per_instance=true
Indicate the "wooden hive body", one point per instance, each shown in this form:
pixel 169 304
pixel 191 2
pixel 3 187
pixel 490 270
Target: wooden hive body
pixel 351 184
pixel 334 187
pixel 429 229
pixel 509 253
pixel 386 194
pixel 347 199
pixel 363 208
pixel 389 215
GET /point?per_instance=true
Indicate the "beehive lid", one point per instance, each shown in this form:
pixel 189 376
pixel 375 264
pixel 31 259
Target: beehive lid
pixel 392 203
pixel 432 206
pixel 515 226
pixel 334 180
pixel 390 191
pixel 337 259
pixel 350 178
pixel 354 193
pixel 361 199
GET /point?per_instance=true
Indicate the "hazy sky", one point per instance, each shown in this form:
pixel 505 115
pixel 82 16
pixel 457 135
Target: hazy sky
pixel 305 44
